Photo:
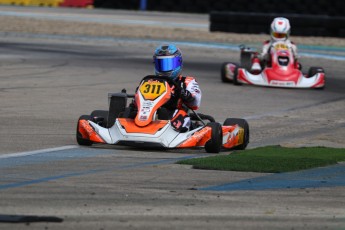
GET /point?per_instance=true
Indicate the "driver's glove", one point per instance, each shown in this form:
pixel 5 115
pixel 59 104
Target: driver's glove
pixel 186 96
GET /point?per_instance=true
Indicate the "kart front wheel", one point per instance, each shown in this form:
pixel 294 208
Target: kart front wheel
pixel 223 73
pixel 80 139
pixel 314 70
pixel 215 143
pixel 234 80
pixel 243 124
pixel 100 117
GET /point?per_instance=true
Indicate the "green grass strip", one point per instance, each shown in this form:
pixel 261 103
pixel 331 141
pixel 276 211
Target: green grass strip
pixel 270 159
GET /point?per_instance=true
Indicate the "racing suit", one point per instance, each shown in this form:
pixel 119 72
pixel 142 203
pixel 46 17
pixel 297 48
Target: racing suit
pixel 264 59
pixel 268 44
pixel 184 97
pixel 188 97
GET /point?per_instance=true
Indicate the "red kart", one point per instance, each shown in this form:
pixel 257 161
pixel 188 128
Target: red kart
pixel 281 70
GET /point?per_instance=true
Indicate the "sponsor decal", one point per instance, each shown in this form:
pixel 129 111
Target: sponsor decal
pixel 233 135
pixel 282 83
pixel 195 88
pixel 200 134
pixel 87 127
pixel 143 118
pixel 240 136
pixel 177 124
pixel 147 106
pixel 281 46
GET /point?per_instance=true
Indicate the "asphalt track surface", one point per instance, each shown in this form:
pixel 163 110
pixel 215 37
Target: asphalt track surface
pixel 46 84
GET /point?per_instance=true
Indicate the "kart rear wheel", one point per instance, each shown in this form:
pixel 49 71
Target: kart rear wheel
pixel 246 59
pixel 314 70
pixel 242 123
pixel 100 117
pixel 215 143
pixel 80 139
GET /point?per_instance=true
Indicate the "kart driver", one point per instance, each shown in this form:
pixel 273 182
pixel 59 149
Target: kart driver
pixel 280 31
pixel 168 62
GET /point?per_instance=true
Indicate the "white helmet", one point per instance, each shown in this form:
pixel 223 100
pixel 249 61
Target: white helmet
pixel 280 29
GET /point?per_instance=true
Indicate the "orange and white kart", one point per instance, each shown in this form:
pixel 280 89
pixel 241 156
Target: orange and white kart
pixel 281 70
pixel 149 127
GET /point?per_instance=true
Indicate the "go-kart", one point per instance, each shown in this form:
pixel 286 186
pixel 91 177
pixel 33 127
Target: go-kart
pixel 144 122
pixel 279 70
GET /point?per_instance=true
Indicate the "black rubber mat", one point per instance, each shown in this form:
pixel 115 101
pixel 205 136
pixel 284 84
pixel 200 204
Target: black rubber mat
pixel 28 219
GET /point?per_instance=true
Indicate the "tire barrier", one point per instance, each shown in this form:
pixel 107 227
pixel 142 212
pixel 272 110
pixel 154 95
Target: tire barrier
pixel 308 17
pixel 77 3
pixel 119 4
pixel 15 2
pixel 303 25
pixel 312 7
pixel 49 3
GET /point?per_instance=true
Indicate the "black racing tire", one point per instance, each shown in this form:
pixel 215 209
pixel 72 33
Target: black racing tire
pixel 201 116
pixel 242 123
pixel 103 114
pixel 235 81
pixel 223 73
pixel 314 70
pixel 118 103
pixel 214 145
pixel 80 139
pixel 99 113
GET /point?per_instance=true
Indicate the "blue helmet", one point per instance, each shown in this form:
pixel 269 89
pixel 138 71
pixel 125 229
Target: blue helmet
pixel 168 61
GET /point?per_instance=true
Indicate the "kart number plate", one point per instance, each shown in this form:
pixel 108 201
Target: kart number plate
pixel 281 47
pixel 151 89
pixel 282 83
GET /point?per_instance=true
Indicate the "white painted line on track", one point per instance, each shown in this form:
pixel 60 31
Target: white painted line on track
pixel 29 153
